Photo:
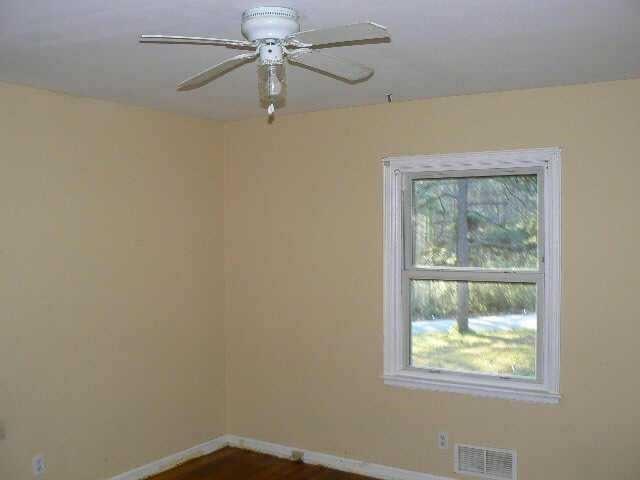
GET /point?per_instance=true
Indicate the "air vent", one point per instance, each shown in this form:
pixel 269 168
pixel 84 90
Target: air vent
pixel 492 463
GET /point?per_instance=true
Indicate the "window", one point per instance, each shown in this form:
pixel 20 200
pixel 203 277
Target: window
pixel 472 273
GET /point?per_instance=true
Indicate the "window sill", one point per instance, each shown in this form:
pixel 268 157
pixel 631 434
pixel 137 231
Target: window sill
pixel 493 388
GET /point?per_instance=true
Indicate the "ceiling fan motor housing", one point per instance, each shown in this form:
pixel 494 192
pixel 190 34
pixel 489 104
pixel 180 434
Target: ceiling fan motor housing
pixel 269 23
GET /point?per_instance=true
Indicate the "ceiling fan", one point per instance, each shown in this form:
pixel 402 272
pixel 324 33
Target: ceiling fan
pixel 273 33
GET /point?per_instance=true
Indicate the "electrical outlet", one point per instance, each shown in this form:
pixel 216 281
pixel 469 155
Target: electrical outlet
pixel 443 440
pixel 38 465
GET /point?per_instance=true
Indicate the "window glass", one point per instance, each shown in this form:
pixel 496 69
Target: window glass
pixel 480 222
pixel 478 327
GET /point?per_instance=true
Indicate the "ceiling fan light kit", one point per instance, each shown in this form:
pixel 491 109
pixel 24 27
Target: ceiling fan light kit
pixel 272 86
pixel 273 33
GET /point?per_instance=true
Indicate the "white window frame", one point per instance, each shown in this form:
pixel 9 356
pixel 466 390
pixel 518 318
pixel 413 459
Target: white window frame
pixel 397 371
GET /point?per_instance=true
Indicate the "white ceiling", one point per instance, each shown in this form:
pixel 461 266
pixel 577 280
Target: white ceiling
pixel 438 48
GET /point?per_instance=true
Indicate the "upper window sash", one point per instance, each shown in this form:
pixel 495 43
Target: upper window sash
pixel 409 223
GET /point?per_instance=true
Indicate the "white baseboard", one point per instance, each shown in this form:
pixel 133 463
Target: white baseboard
pixel 315 458
pixel 174 459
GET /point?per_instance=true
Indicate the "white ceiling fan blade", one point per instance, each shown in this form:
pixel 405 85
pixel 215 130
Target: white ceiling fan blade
pixel 223 42
pixel 337 67
pixel 344 33
pixel 214 72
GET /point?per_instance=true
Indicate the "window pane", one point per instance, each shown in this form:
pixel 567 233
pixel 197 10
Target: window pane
pixel 478 327
pixel 482 222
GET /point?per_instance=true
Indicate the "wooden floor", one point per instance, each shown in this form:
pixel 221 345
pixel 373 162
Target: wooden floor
pixel 233 463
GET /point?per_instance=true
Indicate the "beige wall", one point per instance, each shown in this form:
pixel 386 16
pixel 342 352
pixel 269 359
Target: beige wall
pixel 112 351
pixel 111 332
pixel 303 274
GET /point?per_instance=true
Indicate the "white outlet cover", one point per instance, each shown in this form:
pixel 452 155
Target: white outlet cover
pixel 38 465
pixel 443 440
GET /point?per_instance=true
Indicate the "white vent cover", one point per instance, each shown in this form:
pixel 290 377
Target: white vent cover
pixel 493 463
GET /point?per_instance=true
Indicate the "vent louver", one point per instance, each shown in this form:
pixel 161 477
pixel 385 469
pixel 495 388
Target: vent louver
pixel 492 463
